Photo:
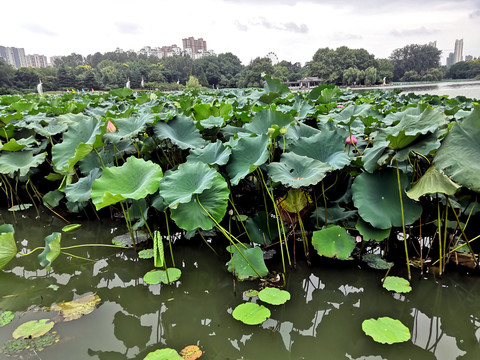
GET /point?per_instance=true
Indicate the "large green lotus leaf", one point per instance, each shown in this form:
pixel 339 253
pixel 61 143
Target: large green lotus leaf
pixel 78 142
pixel 459 155
pixel 33 329
pixel 297 170
pixel 81 190
pixel 128 127
pixel 135 179
pixel 411 127
pixel 121 93
pixel 20 161
pixel 301 130
pixel 241 268
pixel 424 146
pixel 51 128
pixel 212 122
pixel 352 112
pixel 433 181
pixel 397 284
pixel 191 215
pixel 190 178
pixel 181 131
pixel 368 232
pixel 265 119
pixel 168 276
pixel 163 354
pixel 8 248
pixel 274 296
pixel 386 330
pixel 333 242
pixel 250 313
pixel 213 153
pixel 378 202
pixel 249 153
pixel 17 145
pixel 374 156
pixel 262 229
pixel 327 147
pixel 52 249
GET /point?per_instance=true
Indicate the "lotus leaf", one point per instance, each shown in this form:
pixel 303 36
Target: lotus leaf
pixel 78 142
pixel 21 161
pixel 294 201
pixel 433 181
pixel 213 153
pixel 464 139
pixel 8 248
pixel 249 153
pixel 370 233
pixel 297 171
pixel 163 354
pixel 77 308
pixel 6 317
pixel 82 189
pixel 145 254
pixel 251 313
pixel 274 296
pixel 20 207
pixel 52 249
pixel 191 352
pixel 375 261
pixel 265 119
pixel 241 268
pixel 128 127
pixel 212 122
pixel 251 293
pixel 33 329
pixel 14 145
pixel 71 227
pixel 378 202
pixel 327 147
pixel 333 242
pixel 168 276
pixel 52 198
pixel 335 214
pixel 374 156
pixel 181 131
pixel 189 179
pixel 122 93
pixel 301 130
pixel 135 179
pixel 397 284
pixel 386 330
pixel 262 229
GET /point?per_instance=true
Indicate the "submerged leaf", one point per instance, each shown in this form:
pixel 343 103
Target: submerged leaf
pixel 77 308
pixel 191 352
pixel 375 261
pixel 6 317
pixel 386 330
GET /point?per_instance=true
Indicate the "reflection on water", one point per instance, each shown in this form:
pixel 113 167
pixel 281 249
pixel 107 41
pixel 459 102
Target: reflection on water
pixel 322 320
pixel 469 89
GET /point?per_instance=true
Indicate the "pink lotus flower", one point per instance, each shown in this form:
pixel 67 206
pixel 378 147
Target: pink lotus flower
pixel 340 106
pixel 351 140
pixel 111 127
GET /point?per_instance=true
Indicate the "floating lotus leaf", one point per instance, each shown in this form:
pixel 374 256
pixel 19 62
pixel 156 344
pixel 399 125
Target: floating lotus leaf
pixel 33 329
pixel 297 171
pixel 14 347
pixel 262 229
pixel 77 308
pixel 145 254
pixel 71 227
pixel 211 202
pixel 126 239
pixel 52 249
pixel 127 128
pixel 249 153
pixel 459 155
pixel 135 179
pixel 327 147
pixel 163 354
pixel 333 242
pixel 397 284
pixel 191 352
pixel 213 153
pixel 274 296
pixel 265 119
pixel 433 181
pixel 82 189
pixel 78 142
pixel 241 268
pixel 375 261
pixel 386 330
pixel 8 248
pixel 6 317
pixel 251 293
pixel 21 161
pixel 20 207
pixel 168 276
pixel 189 179
pixel 181 131
pixel 378 202
pixel 368 232
pixel 251 313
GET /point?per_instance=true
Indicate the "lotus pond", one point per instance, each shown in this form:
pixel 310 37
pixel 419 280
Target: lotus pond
pixel 235 223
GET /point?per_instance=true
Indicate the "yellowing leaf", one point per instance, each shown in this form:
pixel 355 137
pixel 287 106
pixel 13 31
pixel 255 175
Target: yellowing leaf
pixel 191 352
pixel 75 309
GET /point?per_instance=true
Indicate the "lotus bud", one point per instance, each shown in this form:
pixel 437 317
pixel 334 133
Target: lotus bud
pixel 340 106
pixel 230 212
pixel 111 127
pixel 283 130
pixel 271 131
pixel 358 239
pixel 351 140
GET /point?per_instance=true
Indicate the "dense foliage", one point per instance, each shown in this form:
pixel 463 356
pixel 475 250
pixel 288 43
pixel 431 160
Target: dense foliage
pixel 322 167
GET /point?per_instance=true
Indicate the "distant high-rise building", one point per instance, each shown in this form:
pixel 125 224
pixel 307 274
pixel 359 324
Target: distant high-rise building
pixel 450 59
pixel 35 60
pixel 13 56
pixel 458 54
pixel 468 57
pixel 198 45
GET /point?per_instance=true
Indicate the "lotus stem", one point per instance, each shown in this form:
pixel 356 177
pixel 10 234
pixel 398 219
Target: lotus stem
pixel 325 204
pixel 239 217
pixel 403 222
pixel 77 257
pixel 169 238
pixel 206 242
pixel 444 247
pixel 99 157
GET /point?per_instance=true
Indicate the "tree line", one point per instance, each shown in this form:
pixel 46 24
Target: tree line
pixel 341 66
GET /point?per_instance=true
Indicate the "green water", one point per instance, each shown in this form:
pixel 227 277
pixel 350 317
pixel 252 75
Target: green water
pixel 321 321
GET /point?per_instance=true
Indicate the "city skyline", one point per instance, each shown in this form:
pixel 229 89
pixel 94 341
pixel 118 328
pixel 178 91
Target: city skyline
pixel 293 29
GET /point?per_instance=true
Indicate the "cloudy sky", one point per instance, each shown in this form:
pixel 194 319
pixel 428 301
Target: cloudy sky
pixel 292 29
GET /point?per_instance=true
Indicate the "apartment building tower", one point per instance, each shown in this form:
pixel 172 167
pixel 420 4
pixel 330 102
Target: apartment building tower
pixel 458 52
pixel 197 45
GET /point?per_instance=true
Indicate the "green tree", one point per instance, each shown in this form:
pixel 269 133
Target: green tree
pixel 73 60
pixel 254 72
pixel 193 83
pixel 230 67
pixel 7 75
pixel 414 57
pixel 410 75
pixel 349 76
pixel 464 70
pixel 65 77
pixel 178 68
pixel 370 76
pixel 26 78
pixel 385 70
